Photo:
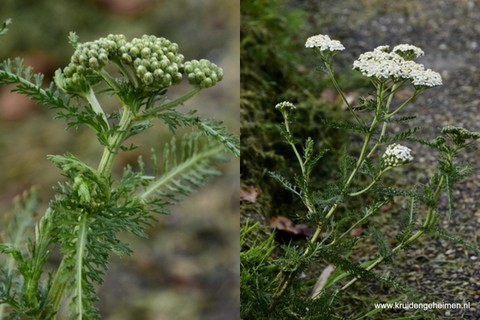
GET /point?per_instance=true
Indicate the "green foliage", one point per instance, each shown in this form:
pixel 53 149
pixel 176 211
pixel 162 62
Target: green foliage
pixel 91 207
pixel 256 269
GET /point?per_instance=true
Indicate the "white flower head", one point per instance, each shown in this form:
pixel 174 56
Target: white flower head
pixel 408 51
pixel 426 78
pixel 397 64
pixel 324 43
pixel 396 155
pixel 379 64
pixel 285 105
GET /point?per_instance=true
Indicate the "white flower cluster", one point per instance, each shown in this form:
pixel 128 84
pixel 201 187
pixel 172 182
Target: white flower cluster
pixel 324 43
pixel 426 78
pixel 383 65
pixel 396 155
pixel 408 51
pixel 285 105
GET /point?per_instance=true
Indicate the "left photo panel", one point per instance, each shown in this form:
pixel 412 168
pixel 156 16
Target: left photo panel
pixel 119 188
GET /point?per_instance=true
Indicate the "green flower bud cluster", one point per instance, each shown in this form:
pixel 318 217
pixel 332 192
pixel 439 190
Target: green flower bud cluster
pixel 88 57
pixel 203 73
pixel 156 61
pixel 460 135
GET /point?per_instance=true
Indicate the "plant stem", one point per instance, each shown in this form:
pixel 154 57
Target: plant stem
pixel 171 104
pixel 384 125
pixel 340 91
pixel 59 282
pixel 368 136
pixel 285 278
pixel 378 177
pixel 114 143
pixel 430 218
pixel 402 105
pixel 294 148
pixel 81 244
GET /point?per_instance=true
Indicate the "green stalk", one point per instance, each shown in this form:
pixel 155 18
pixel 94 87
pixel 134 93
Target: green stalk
pixel 430 218
pixel 340 91
pixel 368 136
pixel 402 105
pixel 285 279
pixel 384 125
pixel 378 177
pixel 169 105
pixel 114 143
pixel 358 222
pixel 59 282
pixel 81 244
pixel 294 148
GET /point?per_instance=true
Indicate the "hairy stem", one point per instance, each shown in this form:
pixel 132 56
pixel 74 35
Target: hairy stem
pixel 114 143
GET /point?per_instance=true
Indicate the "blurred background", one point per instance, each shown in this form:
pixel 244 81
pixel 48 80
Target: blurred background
pixel 188 268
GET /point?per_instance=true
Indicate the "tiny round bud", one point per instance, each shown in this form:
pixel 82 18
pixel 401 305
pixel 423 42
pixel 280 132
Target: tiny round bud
pixel 93 63
pixel 170 56
pixel 137 62
pixel 134 51
pixel 82 58
pixel 164 63
pixel 147 78
pixel 126 58
pixel 167 80
pixel 158 73
pixel 103 58
pixel 177 77
pixel 141 70
pixel 146 52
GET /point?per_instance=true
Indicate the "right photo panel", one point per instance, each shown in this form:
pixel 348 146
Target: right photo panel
pixel 360 178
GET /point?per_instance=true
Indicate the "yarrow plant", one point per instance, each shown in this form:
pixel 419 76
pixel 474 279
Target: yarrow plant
pixel 91 207
pixel 332 207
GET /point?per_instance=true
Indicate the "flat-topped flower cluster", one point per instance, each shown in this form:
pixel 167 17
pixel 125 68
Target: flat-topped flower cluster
pixel 396 155
pixel 397 65
pixel 324 43
pixel 382 64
